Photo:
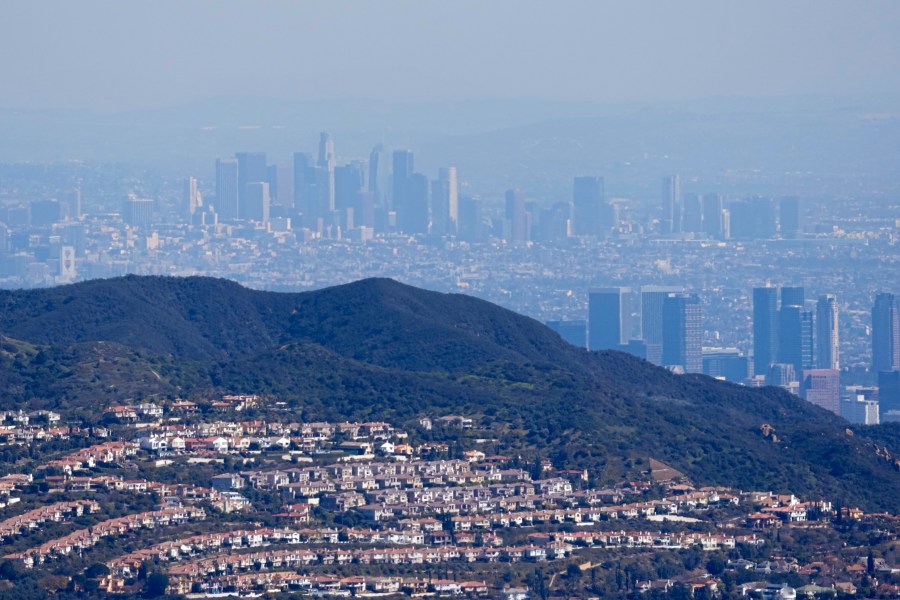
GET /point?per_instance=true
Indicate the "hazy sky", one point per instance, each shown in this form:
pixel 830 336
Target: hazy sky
pixel 112 55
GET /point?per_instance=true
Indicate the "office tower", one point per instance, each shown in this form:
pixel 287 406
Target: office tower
pixel 440 207
pixel 712 215
pixel 574 332
pixel 693 214
pixel 765 329
pixel 516 217
pixel 251 169
pixel 137 212
pixel 45 212
pixel 555 222
pixel 378 175
pixel 227 198
pixel 671 205
pixel 822 387
pixel 365 209
pixel 471 221
pixel 66 271
pixel 326 151
pixel 790 337
pixel 448 175
pixel 412 213
pixel 682 332
pixel 403 168
pixel 859 410
pixel 609 318
pixel 71 201
pixel 258 203
pixel 652 298
pixel 191 198
pixel 349 180
pixel 793 296
pixel 281 185
pixel 726 363
pixel 889 395
pixel 753 218
pixel 302 165
pixel 885 333
pixel 589 206
pixel 781 374
pixel 789 217
pixel 827 333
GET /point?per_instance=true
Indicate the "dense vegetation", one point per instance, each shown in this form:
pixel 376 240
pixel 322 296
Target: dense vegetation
pixel 377 349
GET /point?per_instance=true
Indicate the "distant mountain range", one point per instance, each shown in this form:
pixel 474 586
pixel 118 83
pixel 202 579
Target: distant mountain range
pixel 378 349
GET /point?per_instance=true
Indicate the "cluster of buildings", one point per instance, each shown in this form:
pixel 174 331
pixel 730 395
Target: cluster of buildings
pixel 795 344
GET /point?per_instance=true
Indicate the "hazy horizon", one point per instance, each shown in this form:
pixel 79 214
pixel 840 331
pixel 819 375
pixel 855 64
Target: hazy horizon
pixel 108 57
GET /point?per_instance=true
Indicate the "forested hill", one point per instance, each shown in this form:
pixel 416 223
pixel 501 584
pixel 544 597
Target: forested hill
pixel 378 349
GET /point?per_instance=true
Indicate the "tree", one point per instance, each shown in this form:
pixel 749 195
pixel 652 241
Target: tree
pixel 157 583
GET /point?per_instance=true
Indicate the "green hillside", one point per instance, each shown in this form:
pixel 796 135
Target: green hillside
pixel 377 349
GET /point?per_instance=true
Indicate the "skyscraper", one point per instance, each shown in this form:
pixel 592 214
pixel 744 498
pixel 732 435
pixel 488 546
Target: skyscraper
pixel 403 168
pixel 789 216
pixel 448 174
pixel 609 318
pixel 412 213
pixel 588 206
pixel 516 216
pixel 683 332
pixel 302 181
pixel 227 198
pixel 790 337
pixel 378 175
pixel 327 163
pixel 444 202
pixel 693 213
pixel 765 329
pixel 712 215
pixel 822 387
pixel 793 296
pixel 191 197
pixel 251 169
pixel 885 333
pixel 671 205
pixel 652 298
pixel 257 202
pixel 827 333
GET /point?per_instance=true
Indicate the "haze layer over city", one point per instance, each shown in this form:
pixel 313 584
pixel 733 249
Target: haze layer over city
pixel 524 153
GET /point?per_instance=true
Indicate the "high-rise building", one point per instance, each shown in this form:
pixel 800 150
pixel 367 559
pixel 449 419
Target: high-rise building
pixel 516 217
pixel 327 164
pixel 753 218
pixel 302 176
pixel 588 206
pixel 609 318
pixel 827 333
pixel 412 213
pixel 71 200
pixel 378 175
pixel 349 180
pixel 793 296
pixel 889 395
pixel 138 212
pixel 885 333
pixel 281 185
pixel 191 198
pixel 765 329
pixel 326 151
pixel 790 337
pixel 789 216
pixel 251 169
pixel 822 387
pixel 671 205
pixel 652 298
pixel 693 213
pixel 727 363
pixel 227 198
pixel 448 175
pixel 403 168
pixel 683 332
pixel 712 215
pixel 471 220
pixel 257 202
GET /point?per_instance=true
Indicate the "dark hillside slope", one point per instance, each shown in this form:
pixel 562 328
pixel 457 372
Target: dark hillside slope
pixel 196 317
pixel 377 349
pixel 387 323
